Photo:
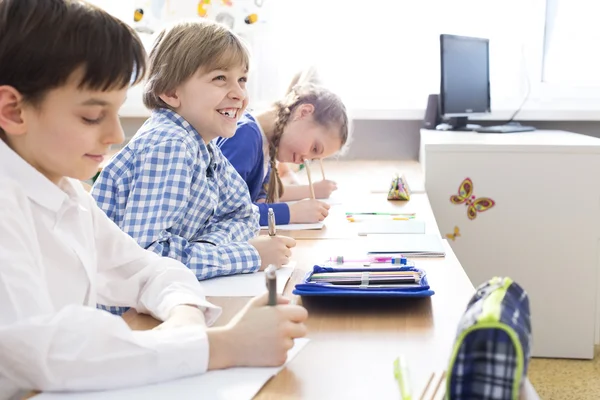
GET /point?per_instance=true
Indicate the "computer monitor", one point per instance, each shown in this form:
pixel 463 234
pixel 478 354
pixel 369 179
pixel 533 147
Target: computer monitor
pixel 465 79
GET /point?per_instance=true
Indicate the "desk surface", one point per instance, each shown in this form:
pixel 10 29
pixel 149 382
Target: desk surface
pixel 354 342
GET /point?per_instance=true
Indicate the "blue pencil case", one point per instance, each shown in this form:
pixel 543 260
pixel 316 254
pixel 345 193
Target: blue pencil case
pixel 368 287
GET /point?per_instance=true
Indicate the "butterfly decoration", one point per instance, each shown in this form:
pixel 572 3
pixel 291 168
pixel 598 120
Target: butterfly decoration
pixel 453 236
pixel 474 205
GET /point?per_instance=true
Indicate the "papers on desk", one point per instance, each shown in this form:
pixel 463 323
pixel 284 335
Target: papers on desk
pixel 409 245
pixel 297 227
pixel 227 384
pixel 245 285
pixel 389 226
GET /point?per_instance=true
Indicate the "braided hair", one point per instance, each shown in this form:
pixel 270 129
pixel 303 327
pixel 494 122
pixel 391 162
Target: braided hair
pixel 328 111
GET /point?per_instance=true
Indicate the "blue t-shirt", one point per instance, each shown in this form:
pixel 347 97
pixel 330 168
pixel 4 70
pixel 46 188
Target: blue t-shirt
pixel 245 152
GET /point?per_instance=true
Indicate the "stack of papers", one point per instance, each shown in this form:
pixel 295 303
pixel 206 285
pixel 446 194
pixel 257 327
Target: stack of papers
pixel 409 245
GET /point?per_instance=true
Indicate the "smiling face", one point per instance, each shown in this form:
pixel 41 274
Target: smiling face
pixel 304 138
pixel 212 102
pixel 68 133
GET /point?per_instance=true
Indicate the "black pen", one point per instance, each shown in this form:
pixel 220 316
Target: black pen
pixel 271 281
pixel 272 228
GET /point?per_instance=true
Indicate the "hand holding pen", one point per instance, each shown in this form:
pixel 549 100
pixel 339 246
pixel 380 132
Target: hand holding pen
pixel 273 249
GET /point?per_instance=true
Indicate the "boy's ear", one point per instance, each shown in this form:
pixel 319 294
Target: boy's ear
pixel 12 120
pixel 171 98
pixel 304 110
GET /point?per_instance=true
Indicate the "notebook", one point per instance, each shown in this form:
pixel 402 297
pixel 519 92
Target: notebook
pixel 224 384
pixel 390 227
pixel 410 245
pixel 246 285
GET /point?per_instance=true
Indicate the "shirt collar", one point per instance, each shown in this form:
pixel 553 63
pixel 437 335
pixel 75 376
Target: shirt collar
pixel 35 185
pixel 208 150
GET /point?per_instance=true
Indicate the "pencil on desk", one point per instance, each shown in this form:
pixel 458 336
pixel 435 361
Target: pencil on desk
pixel 322 169
pixel 310 183
pixel 435 388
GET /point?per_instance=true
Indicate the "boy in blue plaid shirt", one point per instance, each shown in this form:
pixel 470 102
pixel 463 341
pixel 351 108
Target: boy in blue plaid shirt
pixel 170 187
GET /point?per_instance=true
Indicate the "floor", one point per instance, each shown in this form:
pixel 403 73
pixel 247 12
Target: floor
pixel 566 379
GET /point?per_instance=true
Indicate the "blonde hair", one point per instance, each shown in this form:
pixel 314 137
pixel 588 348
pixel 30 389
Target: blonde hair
pixel 181 50
pixel 329 111
pixel 303 77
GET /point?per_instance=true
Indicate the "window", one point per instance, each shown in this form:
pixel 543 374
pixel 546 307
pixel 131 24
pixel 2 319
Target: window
pixel 385 54
pixel 381 55
pixel 571 43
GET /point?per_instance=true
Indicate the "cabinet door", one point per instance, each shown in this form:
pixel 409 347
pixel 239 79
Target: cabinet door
pixel 532 216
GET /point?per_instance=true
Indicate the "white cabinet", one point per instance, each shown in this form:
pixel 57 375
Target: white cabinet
pixel 542 229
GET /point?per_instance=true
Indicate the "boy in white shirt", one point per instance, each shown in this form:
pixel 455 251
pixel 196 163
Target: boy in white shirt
pixel 64 71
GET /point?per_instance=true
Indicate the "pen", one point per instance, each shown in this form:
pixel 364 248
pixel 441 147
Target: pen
pixel 272 227
pixel 401 375
pixel 386 259
pixel 271 281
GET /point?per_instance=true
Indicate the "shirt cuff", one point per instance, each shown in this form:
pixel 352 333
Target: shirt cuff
pixel 211 312
pixel 185 349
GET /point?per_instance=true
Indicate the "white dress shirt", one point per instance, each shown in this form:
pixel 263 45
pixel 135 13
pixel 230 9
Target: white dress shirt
pixel 59 256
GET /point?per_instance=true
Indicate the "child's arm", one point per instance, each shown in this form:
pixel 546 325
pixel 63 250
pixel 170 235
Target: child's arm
pixel 46 344
pixel 287 175
pixel 159 200
pixel 281 210
pixel 323 190
pixel 138 278
pixel 49 346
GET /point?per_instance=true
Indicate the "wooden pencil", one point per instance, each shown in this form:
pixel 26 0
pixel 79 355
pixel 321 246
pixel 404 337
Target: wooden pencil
pixel 322 169
pixel 310 183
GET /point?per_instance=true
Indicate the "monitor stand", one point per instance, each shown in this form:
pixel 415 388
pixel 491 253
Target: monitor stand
pixel 458 124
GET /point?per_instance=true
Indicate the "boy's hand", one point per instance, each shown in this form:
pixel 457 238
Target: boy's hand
pixel 308 211
pixel 258 336
pixel 324 188
pixel 273 249
pixel 184 316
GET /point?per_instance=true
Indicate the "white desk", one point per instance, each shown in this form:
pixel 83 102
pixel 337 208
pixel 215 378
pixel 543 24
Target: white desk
pixel 543 231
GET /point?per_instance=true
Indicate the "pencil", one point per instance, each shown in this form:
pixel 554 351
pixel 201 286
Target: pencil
pixel 310 183
pixel 322 169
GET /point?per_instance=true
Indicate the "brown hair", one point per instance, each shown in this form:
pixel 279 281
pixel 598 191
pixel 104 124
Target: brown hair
pixel 181 50
pixel 329 111
pixel 42 42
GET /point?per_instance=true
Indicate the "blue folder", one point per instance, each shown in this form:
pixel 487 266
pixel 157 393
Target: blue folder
pixel 309 288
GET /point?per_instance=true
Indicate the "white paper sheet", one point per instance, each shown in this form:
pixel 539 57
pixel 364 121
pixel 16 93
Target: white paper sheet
pixel 242 285
pixel 227 384
pixel 410 245
pixel 297 227
pixel 390 227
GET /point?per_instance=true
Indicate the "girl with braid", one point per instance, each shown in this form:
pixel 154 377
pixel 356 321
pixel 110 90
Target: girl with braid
pixel 310 122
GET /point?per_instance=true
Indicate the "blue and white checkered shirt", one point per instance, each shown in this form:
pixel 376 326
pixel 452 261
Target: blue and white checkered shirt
pixel 181 198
